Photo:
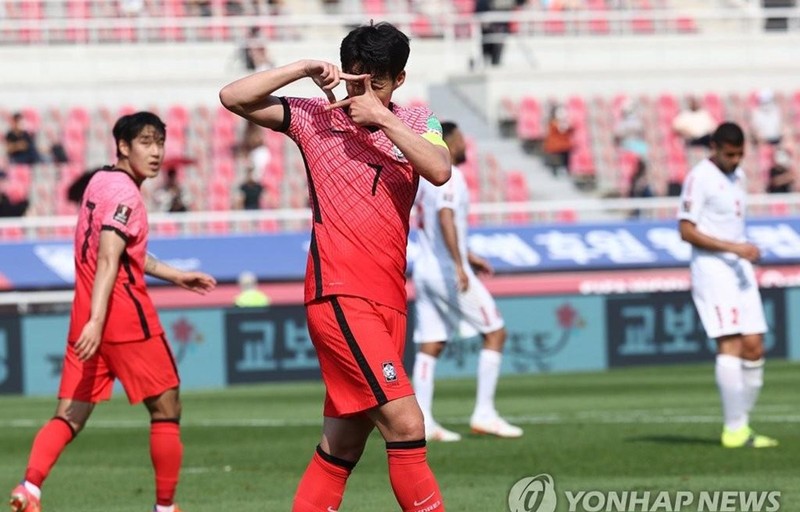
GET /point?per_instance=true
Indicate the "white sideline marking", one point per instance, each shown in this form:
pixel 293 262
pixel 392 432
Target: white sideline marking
pixel 588 417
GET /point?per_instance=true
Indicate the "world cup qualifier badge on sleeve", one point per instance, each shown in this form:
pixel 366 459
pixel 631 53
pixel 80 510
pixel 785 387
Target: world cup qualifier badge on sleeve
pixel 123 214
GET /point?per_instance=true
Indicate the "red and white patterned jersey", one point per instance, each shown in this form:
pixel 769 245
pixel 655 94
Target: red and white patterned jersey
pixel 112 201
pixel 361 190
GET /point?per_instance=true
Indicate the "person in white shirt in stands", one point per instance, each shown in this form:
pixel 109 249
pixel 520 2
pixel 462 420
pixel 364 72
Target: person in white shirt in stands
pixel 695 124
pixel 724 286
pixel 449 296
pixel 766 119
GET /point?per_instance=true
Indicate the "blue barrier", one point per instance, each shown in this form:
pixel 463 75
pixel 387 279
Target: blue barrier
pixel 510 249
pixel 219 347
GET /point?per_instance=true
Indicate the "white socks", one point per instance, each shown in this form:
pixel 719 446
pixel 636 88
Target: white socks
pixel 160 508
pixel 33 489
pixel 488 373
pixel 732 391
pixel 753 377
pixel 423 376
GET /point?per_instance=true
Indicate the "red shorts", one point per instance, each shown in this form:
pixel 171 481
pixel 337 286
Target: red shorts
pixel 145 368
pixel 360 348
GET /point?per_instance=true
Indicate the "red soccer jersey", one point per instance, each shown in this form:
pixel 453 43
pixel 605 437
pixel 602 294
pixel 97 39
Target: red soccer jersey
pixel 361 190
pixel 112 201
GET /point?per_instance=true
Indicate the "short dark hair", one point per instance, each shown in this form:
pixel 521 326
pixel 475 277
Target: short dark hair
pixel 17 116
pixel 379 50
pixel 728 133
pixel 448 127
pixel 130 126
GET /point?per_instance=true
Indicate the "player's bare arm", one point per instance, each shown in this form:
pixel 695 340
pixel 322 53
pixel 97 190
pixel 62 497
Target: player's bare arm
pixel 450 236
pixel 197 282
pixel 692 235
pixel 479 264
pixel 430 161
pixel 108 255
pixel 252 96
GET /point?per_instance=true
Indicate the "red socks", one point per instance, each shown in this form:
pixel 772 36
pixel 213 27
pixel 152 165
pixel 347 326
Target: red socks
pixel 412 480
pixel 322 485
pixel 48 444
pixel 166 452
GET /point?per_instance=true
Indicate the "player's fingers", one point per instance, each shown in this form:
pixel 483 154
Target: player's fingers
pixel 339 104
pixel 330 95
pixel 354 78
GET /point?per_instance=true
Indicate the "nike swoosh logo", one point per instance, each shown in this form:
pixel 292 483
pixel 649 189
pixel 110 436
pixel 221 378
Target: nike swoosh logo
pixel 418 503
pixel 331 509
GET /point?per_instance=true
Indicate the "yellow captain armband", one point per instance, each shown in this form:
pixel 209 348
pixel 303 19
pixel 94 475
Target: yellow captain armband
pixel 434 138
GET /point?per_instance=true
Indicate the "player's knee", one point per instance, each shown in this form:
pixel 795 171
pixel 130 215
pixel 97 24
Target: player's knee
pixel 753 353
pixel 496 340
pixel 74 424
pixel 407 428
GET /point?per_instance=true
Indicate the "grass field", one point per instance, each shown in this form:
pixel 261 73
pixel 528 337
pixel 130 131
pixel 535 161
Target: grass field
pixel 245 448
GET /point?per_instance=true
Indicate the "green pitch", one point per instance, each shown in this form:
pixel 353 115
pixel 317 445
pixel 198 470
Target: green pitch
pixel 245 448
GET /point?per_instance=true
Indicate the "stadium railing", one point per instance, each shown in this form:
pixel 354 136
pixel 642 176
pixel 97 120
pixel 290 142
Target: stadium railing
pixel 278 220
pixel 447 24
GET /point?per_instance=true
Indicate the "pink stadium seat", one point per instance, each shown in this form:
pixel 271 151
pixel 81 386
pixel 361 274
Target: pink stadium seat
pixel 641 25
pixel 599 26
pixel 374 7
pixel 713 103
pixel 685 25
pixel 11 234
pixel 555 25
pixel 464 6
pixel 529 123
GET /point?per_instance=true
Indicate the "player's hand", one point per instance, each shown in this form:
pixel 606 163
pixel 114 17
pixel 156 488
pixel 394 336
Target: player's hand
pixel 366 108
pixel 326 75
pixel 480 265
pixel 89 340
pixel 197 282
pixel 748 251
pixel 462 280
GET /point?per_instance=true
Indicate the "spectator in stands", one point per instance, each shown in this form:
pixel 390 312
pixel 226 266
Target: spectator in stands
pixel 765 119
pixel 250 193
pixel 254 149
pixel 781 177
pixel 20 143
pixel 249 295
pixel 8 207
pixel 170 197
pixel 640 186
pixel 493 33
pixel 695 124
pixel 199 7
pixel 256 56
pixel 557 143
pixel 629 131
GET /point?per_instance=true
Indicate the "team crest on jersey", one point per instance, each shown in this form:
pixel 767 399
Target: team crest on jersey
pixel 389 373
pixel 122 214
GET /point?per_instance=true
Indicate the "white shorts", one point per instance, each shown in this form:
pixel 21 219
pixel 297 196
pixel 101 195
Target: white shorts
pixel 726 296
pixel 442 313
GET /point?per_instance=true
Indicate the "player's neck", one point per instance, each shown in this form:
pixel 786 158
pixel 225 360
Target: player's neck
pixel 122 165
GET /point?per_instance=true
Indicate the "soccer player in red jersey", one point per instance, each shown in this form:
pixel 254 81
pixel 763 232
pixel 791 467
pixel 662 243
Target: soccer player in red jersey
pixel 114 329
pixel 364 156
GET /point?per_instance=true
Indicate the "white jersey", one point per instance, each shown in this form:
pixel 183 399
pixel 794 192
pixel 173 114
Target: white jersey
pixel 715 202
pixel 434 257
pixel 442 312
pixel 724 287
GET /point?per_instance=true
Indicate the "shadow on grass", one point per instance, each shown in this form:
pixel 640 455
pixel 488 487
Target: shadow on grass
pixel 674 439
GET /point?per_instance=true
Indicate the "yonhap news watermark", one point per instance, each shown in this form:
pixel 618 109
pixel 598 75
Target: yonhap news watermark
pixel 538 494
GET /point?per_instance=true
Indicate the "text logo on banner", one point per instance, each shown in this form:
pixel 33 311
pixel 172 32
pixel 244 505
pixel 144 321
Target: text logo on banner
pixel 269 344
pixel 10 363
pixel 661 328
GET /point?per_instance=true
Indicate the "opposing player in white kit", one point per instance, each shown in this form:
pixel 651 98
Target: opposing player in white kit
pixel 449 296
pixel 724 286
